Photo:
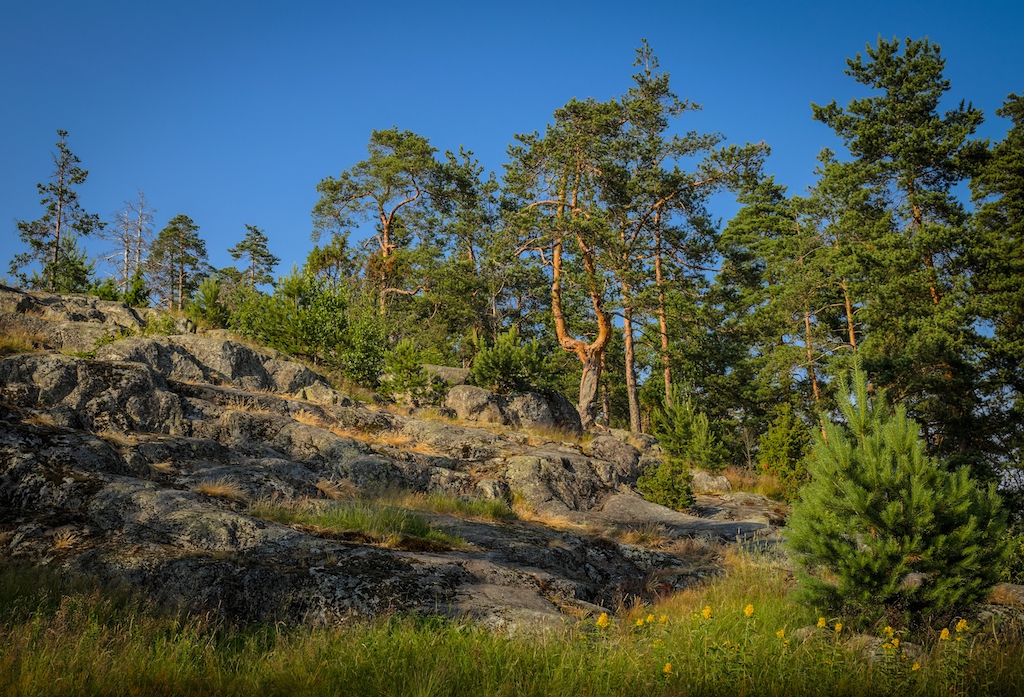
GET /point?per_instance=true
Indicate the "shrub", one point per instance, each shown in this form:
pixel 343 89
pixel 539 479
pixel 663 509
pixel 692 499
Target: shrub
pixel 205 308
pixel 668 483
pixel 783 447
pixel 685 435
pixel 405 375
pixel 878 508
pixel 510 365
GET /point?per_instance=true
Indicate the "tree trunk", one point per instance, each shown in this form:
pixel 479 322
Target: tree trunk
pixel 662 319
pixel 631 388
pixel 810 356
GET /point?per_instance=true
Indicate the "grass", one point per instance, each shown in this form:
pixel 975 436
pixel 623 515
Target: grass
pixel 744 479
pixel 459 507
pixel 13 343
pixel 70 637
pixel 220 489
pixel 391 526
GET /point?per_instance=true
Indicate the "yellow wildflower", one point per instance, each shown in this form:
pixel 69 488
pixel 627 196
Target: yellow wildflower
pixel 821 623
pixel 781 633
pixel 706 612
pixel 916 666
pixel 887 631
pixel 748 610
pixel 839 627
pixel 944 635
pixel 896 642
pixel 602 620
pixel 663 619
pixel 667 670
pixel 649 619
pixel 640 622
pixel 658 643
pixel 961 626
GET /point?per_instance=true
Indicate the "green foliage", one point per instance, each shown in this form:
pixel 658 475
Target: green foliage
pixel 105 290
pixel 510 365
pixel 137 293
pixel 261 264
pixel 667 483
pixel 160 323
pixel 782 448
pixel 362 354
pixel 51 238
pixel 878 508
pixel 685 435
pixel 71 273
pixel 1013 569
pixel 405 377
pixel 176 260
pixel 205 308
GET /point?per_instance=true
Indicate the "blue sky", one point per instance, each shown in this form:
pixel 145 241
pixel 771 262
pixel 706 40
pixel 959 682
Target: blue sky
pixel 232 112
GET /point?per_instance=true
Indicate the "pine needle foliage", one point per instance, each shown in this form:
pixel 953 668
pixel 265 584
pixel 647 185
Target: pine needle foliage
pixel 686 437
pixel 510 365
pixel 882 528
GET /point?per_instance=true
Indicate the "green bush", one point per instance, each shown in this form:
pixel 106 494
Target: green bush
pixel 783 447
pixel 406 378
pixel 878 508
pixel 510 365
pixel 685 435
pixel 205 307
pixel 668 484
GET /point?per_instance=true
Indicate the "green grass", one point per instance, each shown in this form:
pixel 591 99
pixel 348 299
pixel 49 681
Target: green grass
pixel 60 638
pixel 388 525
pixel 458 507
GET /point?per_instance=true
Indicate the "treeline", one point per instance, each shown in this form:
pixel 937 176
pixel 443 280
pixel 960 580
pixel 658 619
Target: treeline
pixel 597 249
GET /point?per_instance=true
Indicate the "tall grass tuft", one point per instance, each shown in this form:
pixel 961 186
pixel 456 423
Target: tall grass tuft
pixel 387 525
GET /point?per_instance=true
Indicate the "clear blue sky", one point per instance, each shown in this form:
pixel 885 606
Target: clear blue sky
pixel 232 112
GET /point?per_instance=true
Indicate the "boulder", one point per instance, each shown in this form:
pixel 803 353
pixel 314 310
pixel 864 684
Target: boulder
pixel 526 410
pixel 475 404
pixel 706 483
pixel 624 458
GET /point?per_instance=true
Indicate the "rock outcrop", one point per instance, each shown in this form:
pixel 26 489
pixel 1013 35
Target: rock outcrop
pixel 146 464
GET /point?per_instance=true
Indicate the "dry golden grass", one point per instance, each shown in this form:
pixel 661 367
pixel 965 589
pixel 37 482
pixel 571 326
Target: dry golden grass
pixel 1001 595
pixel 246 404
pixel 40 419
pixel 337 491
pixel 221 489
pixel 310 419
pixel 743 479
pixel 646 535
pixel 65 538
pixel 395 440
pixel 118 438
pixel 161 468
pixel 16 342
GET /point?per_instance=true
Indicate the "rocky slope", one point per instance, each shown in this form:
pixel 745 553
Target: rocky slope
pixel 114 444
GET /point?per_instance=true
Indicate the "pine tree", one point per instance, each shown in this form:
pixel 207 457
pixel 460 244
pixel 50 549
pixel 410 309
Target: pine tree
pixel 920 340
pixel 261 264
pixel 64 215
pixel 998 270
pixel 882 527
pixel 176 259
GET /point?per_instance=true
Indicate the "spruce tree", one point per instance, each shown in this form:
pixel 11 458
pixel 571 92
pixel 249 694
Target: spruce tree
pixel 883 528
